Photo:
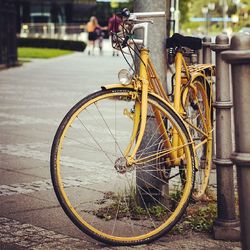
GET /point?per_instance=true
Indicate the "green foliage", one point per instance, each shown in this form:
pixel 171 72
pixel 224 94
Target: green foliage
pixel 196 6
pixel 126 204
pixel 103 10
pixel 41 53
pixel 176 196
pixel 191 25
pixel 139 210
pixel 51 43
pixel 128 5
pixel 184 10
pixel 199 218
pixel 158 211
pixel 203 219
pixel 193 8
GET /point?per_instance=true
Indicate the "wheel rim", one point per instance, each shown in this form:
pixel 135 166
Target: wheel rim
pixel 198 114
pixel 102 200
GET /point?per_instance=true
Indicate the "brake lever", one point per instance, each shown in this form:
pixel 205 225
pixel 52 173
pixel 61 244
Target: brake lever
pixel 136 20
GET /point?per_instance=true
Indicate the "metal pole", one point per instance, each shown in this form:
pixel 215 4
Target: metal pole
pixel 200 56
pixel 207 59
pixel 156 45
pixel 177 17
pixel 206 48
pixel 157 31
pixel 226 225
pixel 239 58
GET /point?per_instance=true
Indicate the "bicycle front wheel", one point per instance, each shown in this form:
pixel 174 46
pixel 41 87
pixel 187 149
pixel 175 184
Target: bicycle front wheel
pixel 110 201
pixel 198 116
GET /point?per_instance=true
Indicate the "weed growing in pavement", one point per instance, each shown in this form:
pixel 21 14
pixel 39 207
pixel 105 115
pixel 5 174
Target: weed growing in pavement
pixel 199 216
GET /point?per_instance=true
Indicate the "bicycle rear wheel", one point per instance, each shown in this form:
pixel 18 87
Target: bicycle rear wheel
pixel 109 201
pixel 198 116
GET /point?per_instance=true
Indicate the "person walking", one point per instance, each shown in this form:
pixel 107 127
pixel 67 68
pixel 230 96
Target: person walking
pixel 100 36
pixel 91 27
pixel 114 26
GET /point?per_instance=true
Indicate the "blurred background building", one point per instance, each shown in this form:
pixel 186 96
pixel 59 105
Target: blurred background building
pixel 58 19
pixel 61 18
pixel 66 19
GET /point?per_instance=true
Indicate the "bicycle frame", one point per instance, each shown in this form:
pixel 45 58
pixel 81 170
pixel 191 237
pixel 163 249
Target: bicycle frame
pixel 148 82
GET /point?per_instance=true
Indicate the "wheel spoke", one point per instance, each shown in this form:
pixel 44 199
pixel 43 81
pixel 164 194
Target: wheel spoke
pixel 105 197
pixel 198 119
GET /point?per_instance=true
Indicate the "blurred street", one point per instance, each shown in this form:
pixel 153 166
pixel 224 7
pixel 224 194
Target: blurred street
pixel 33 100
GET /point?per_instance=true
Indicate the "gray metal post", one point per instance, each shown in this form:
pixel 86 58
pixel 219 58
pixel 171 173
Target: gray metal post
pixel 239 57
pixel 156 44
pixel 226 226
pixel 206 49
pixel 207 59
pixel 200 56
pixel 157 31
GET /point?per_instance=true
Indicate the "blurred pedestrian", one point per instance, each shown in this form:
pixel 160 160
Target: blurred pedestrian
pixel 95 32
pixel 91 27
pixel 114 26
pixel 100 36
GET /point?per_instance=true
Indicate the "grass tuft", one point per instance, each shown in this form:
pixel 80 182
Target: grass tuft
pixel 43 53
pixel 199 217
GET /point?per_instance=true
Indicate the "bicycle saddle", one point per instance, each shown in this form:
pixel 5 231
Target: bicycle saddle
pixel 177 40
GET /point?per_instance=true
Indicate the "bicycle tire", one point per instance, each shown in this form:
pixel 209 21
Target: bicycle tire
pixel 198 113
pixel 84 185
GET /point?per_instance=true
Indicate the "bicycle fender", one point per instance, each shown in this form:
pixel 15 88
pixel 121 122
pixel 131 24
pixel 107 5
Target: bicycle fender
pixel 118 85
pixel 131 86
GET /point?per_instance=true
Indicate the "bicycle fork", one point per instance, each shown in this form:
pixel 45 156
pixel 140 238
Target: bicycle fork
pixel 141 111
pixel 140 119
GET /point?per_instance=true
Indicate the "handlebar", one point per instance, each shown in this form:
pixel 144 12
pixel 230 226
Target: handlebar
pixel 138 20
pixel 139 15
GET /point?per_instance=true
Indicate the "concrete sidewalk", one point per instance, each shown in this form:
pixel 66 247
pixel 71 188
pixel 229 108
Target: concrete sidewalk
pixel 33 100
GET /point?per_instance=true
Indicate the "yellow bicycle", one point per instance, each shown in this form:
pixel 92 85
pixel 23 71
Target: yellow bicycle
pixel 124 159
